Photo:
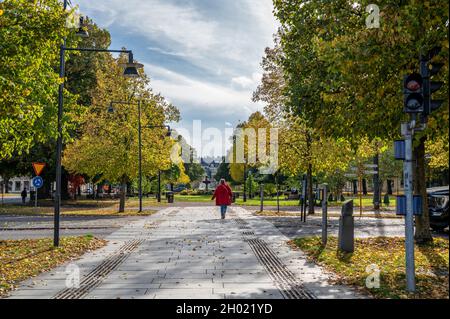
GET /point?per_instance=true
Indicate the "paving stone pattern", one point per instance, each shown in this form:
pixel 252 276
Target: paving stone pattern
pixel 190 253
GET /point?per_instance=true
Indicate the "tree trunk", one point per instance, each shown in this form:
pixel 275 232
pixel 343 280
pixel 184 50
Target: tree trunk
pixel 309 174
pixel 6 183
pixel 129 188
pixel 376 185
pixel 389 186
pixel 310 190
pixel 423 232
pixel 123 191
pixel 97 191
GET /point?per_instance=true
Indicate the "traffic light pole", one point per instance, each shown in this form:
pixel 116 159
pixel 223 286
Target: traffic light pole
pixel 408 132
pixel 418 102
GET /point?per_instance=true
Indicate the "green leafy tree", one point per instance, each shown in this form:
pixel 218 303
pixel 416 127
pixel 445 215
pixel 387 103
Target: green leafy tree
pixel 108 145
pixel 344 77
pixel 30 35
pixel 223 171
pixel 194 171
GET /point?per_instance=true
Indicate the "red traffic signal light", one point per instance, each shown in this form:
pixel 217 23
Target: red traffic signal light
pixel 413 92
pixel 413 82
pixel 413 85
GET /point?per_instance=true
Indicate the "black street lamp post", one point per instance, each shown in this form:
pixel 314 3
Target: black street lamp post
pixel 130 71
pixel 245 181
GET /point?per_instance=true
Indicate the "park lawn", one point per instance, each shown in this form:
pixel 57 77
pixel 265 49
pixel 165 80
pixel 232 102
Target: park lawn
pixel 192 198
pixel 366 202
pixel 71 211
pixel 239 201
pixel 23 259
pixel 432 265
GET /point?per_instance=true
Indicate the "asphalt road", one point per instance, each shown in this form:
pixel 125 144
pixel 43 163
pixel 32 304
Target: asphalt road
pixel 26 227
pixel 12 199
pixel 21 227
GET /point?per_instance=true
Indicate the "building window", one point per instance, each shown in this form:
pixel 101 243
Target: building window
pixel 17 185
pixel 26 184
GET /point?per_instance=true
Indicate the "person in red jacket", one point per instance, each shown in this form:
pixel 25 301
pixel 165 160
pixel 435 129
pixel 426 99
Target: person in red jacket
pixel 223 196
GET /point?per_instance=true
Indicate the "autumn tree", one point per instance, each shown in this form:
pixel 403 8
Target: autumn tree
pixel 344 78
pixel 109 141
pixel 30 35
pixel 251 147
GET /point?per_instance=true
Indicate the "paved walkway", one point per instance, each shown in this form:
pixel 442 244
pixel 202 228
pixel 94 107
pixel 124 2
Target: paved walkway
pixel 184 253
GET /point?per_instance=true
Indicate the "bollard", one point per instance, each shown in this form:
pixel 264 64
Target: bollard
pixel 346 228
pixel 170 197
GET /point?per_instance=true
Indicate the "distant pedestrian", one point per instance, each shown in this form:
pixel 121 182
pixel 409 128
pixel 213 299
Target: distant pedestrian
pixel 24 195
pixel 223 196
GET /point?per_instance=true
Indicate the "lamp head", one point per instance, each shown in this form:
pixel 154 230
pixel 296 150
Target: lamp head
pixel 110 109
pixel 131 68
pixel 82 30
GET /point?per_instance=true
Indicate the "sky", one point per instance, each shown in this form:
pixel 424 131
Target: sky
pixel 202 55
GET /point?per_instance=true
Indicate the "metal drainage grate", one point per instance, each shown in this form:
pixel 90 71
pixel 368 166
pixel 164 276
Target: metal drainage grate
pixel 99 273
pixel 248 233
pixel 240 221
pixel 286 281
pixel 242 224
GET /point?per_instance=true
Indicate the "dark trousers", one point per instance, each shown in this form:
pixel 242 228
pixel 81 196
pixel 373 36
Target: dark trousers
pixel 223 210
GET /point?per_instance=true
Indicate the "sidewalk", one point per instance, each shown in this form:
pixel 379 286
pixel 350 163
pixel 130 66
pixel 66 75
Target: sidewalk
pixel 185 253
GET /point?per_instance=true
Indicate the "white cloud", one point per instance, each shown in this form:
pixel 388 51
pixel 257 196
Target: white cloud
pixel 157 18
pixel 212 63
pixel 198 96
pixel 246 82
pixel 221 46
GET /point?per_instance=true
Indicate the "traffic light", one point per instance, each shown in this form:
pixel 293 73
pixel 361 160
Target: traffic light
pixel 427 70
pixel 413 93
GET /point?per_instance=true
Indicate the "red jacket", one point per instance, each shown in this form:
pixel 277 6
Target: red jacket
pixel 223 195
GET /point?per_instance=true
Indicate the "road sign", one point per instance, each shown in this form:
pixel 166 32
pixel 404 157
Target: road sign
pixel 37 182
pixel 371 172
pixel 371 165
pixel 350 175
pixel 38 167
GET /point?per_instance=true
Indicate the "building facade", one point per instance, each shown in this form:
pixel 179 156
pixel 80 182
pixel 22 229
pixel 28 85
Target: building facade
pixel 16 184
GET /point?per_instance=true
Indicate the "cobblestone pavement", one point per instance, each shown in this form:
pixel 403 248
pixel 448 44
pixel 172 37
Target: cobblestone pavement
pixel 184 253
